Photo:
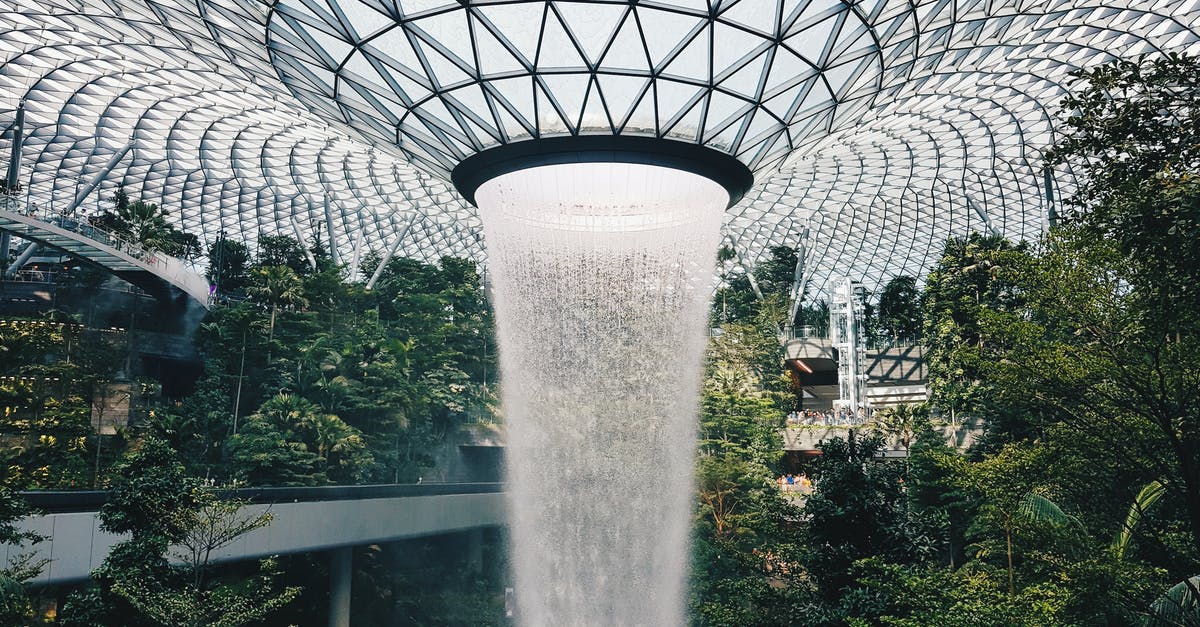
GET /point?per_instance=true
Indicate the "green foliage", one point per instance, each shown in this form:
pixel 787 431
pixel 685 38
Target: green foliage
pixel 900 308
pixel 859 509
pixel 228 264
pixel 281 250
pixel 146 225
pixel 1145 499
pixel 49 371
pixel 152 499
pixel 975 280
pixel 744 561
pixel 1180 605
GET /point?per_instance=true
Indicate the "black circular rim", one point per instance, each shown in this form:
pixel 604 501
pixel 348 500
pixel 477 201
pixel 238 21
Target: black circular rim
pixel 716 166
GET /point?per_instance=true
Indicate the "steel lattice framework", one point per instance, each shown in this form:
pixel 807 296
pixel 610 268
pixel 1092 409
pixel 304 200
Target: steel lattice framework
pixel 876 127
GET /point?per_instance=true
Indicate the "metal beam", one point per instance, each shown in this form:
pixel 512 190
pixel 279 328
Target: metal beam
pixel 14 159
pixel 14 173
pixel 16 266
pixel 1051 213
pixel 312 261
pixel 99 177
pixel 982 216
pixel 333 246
pixel 354 258
pixel 798 278
pixel 392 251
pixel 749 271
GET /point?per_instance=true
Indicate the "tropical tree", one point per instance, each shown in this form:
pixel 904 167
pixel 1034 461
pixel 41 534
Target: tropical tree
pixel 276 286
pixel 977 278
pixel 146 225
pixel 900 308
pixel 228 263
pixel 901 423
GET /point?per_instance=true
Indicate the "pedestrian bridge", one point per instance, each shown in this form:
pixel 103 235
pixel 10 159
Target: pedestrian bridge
pixel 305 520
pixel 162 276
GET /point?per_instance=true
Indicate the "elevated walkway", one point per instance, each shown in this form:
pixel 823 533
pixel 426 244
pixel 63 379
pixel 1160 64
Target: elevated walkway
pixel 162 276
pixel 305 520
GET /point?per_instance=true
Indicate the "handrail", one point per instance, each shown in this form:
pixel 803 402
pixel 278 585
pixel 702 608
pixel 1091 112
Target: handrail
pixel 63 501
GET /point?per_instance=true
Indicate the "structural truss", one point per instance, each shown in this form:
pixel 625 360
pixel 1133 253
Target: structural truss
pixel 883 126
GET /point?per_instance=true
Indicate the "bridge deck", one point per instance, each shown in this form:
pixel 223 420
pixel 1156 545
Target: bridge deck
pixel 305 520
pixel 158 274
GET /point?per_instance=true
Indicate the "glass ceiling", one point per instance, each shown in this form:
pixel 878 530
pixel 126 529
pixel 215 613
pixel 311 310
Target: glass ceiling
pixel 875 128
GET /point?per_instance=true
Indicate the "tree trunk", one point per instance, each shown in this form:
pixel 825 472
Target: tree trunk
pixel 271 333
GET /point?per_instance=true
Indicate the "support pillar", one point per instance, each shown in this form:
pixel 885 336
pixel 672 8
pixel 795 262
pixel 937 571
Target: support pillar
pixel 99 177
pixel 333 243
pixel 341 561
pixel 16 266
pixel 12 178
pixel 474 550
pixel 391 251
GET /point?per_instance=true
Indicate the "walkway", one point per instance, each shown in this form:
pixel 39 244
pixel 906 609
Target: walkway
pixel 305 520
pixel 162 276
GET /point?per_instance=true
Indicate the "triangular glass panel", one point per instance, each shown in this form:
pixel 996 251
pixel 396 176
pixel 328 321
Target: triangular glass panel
pixel 550 120
pixel 723 109
pixel 494 56
pixel 812 43
pixel 753 15
pixel 365 17
pixel 620 93
pixel 643 117
pixel 413 89
pixel 674 98
pixel 731 45
pixel 394 48
pixel 668 30
pixel 782 103
pixel 693 61
pixel 330 47
pixel 471 104
pixel 512 127
pixel 726 138
pixel 687 126
pixel 595 117
pixel 627 52
pixel 447 30
pixel 518 93
pixel 786 71
pixel 745 81
pixel 519 24
pixel 569 91
pixel 445 71
pixel 556 50
pixel 592 23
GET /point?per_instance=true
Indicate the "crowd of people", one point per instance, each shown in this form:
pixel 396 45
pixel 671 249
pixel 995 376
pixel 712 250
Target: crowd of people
pixel 827 418
pixel 795 483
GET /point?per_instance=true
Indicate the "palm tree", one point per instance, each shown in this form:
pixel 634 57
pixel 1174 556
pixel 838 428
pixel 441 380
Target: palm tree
pixel 901 422
pixel 278 286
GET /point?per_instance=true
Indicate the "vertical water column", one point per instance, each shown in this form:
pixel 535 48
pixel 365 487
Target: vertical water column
pixel 601 275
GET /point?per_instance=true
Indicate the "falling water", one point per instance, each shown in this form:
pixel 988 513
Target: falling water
pixel 601 278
